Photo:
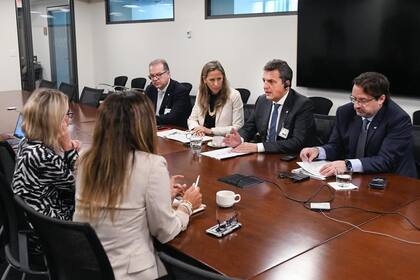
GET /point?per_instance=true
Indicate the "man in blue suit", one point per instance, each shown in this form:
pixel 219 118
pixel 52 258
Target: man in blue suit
pixel 170 98
pixel 372 134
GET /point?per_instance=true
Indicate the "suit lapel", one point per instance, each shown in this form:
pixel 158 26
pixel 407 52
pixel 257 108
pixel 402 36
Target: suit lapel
pixel 287 107
pixel 354 130
pixel 375 124
pixel 166 97
pixel 266 117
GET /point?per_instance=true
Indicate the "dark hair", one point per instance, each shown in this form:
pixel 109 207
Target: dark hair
pixel 373 83
pixel 160 61
pixel 286 73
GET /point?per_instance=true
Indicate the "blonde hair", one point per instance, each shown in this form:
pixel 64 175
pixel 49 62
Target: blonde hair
pixel 43 115
pixel 126 123
pixel 222 96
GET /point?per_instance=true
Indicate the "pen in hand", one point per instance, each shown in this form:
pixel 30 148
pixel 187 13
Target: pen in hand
pixel 197 181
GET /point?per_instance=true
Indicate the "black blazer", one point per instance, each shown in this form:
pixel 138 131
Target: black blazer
pixel 296 116
pixel 176 100
pixel 389 141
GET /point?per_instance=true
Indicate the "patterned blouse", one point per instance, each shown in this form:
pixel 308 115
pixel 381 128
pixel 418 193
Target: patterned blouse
pixel 44 179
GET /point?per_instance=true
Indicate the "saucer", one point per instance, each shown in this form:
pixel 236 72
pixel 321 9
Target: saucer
pixel 211 144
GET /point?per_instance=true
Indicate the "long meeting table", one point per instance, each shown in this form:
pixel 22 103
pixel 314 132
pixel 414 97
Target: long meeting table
pixel 280 238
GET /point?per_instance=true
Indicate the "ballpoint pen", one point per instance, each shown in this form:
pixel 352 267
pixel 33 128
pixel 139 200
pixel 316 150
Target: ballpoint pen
pixel 196 181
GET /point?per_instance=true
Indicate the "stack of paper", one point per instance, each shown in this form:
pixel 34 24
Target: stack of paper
pixel 222 153
pixel 312 168
pixel 179 135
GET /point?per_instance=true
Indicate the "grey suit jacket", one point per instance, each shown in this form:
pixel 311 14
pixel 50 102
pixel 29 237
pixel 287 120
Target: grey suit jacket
pixel 146 211
pixel 296 116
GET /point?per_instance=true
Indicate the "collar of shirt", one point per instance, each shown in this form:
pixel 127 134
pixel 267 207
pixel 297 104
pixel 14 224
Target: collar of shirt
pixel 281 101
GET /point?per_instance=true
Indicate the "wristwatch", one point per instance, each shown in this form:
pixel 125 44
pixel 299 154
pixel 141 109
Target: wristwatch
pixel 349 167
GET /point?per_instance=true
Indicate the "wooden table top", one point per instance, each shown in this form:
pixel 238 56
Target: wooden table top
pixel 279 238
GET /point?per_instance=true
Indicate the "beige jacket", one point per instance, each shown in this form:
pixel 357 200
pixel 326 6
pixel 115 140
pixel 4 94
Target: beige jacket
pixel 145 211
pixel 231 115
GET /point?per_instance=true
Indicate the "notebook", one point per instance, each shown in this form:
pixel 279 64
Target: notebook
pixel 18 133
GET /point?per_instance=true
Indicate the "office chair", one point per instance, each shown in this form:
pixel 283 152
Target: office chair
pixel 324 125
pixel 188 86
pixel 69 90
pixel 138 83
pixel 416 117
pixel 322 105
pixel 416 147
pixel 119 82
pixel 178 269
pixel 72 250
pixel 245 93
pixel 91 96
pixel 47 84
pixel 7 161
pixel 15 237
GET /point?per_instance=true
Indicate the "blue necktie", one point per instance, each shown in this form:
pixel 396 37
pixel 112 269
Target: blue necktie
pixel 272 132
pixel 361 143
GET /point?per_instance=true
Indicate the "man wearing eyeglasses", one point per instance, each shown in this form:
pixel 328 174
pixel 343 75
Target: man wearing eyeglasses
pixel 372 134
pixel 170 98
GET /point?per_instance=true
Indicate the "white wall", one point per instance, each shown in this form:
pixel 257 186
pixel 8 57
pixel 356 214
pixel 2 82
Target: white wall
pixel 242 45
pixel 9 49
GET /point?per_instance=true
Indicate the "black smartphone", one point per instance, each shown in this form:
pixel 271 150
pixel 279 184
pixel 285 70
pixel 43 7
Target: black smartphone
pixel 287 157
pixel 378 183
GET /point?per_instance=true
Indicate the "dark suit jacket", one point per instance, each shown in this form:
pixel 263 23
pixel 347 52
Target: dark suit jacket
pixel 296 116
pixel 176 99
pixel 389 140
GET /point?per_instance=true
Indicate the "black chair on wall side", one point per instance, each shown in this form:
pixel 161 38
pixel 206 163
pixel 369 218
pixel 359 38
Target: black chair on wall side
pixel 47 84
pixel 178 269
pixel 248 111
pixel 322 105
pixel 188 86
pixel 91 96
pixel 69 90
pixel 73 250
pixel 324 125
pixel 416 147
pixel 138 83
pixel 119 82
pixel 15 237
pixel 245 93
pixel 416 117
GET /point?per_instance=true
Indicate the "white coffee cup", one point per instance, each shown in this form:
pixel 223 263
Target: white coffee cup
pixel 227 198
pixel 218 141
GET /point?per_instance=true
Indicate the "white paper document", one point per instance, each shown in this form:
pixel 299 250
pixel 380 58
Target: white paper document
pixel 179 135
pixel 313 167
pixel 222 153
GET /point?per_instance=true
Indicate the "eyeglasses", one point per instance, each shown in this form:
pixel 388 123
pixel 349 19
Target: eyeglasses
pixel 69 114
pixel 157 76
pixel 362 102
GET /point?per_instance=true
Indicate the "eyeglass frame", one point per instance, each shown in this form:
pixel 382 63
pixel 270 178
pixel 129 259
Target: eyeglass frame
pixel 362 102
pixel 158 75
pixel 70 114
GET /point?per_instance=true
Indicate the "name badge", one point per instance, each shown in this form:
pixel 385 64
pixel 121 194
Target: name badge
pixel 167 111
pixel 284 132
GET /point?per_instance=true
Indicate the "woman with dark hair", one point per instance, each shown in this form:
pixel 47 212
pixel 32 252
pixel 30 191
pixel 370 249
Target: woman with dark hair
pixel 218 108
pixel 124 189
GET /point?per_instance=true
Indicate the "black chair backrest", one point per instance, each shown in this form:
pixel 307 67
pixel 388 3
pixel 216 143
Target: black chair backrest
pixel 139 83
pixel 7 161
pixel 322 105
pixel 120 81
pixel 416 117
pixel 188 86
pixel 248 110
pixel 73 250
pixel 245 93
pixel 178 269
pixel 47 84
pixel 324 125
pixel 91 96
pixel 416 147
pixel 69 90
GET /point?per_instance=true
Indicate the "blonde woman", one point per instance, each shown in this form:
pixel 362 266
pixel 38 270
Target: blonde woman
pixel 124 189
pixel 46 156
pixel 218 108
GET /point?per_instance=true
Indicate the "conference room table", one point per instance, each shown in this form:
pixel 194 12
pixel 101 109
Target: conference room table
pixel 280 238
